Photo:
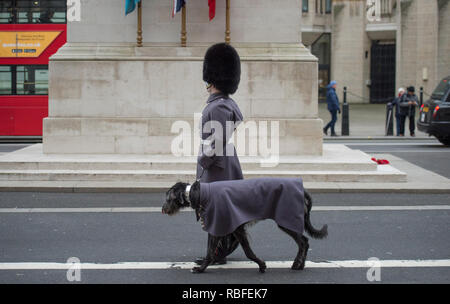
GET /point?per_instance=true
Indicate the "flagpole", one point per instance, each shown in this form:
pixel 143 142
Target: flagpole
pixel 139 32
pixel 227 32
pixel 183 26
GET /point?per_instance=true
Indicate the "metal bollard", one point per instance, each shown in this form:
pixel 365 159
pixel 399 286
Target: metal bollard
pixel 421 97
pixel 345 115
pixel 389 127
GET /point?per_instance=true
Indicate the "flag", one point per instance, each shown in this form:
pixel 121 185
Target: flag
pixel 212 9
pixel 130 6
pixel 177 5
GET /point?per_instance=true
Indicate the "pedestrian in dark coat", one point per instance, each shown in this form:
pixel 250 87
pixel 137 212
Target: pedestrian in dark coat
pixel 396 105
pixel 333 107
pixel 408 104
pixel 217 160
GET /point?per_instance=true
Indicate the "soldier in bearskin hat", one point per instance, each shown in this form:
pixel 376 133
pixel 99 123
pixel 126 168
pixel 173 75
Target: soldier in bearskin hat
pixel 217 160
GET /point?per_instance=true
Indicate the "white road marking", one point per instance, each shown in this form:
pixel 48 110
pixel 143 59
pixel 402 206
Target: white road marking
pixel 381 208
pixel 419 143
pixel 408 151
pixel 158 209
pixel 86 210
pixel 229 265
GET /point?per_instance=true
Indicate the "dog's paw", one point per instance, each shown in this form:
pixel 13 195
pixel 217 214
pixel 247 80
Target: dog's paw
pixel 262 268
pixel 298 265
pixel 196 270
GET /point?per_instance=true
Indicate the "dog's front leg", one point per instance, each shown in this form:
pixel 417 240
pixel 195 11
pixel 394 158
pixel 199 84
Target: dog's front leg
pixel 205 264
pixel 212 244
pixel 241 236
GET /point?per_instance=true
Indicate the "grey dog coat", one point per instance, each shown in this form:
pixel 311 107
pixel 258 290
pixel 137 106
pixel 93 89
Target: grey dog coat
pixel 228 204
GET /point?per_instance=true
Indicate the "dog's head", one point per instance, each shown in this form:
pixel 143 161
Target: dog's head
pixel 175 199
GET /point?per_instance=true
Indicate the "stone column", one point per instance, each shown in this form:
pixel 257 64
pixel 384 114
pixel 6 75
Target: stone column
pixel 444 39
pixel 108 96
pixel 419 44
pixel 349 65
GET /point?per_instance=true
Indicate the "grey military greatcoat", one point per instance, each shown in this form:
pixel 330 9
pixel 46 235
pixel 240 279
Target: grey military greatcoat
pixel 217 160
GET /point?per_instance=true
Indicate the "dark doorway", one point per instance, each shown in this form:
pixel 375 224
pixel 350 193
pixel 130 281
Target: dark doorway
pixel 382 72
pixel 321 48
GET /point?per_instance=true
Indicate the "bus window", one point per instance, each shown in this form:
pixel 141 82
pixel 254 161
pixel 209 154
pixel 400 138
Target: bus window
pixel 6 11
pixel 32 80
pixel 5 80
pixel 41 81
pixel 33 11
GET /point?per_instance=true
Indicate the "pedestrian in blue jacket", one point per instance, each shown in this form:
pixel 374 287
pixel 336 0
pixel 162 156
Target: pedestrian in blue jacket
pixel 333 107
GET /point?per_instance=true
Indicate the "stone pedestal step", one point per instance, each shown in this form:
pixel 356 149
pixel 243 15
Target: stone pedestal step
pixel 253 165
pixel 334 158
pixel 337 164
pixel 382 174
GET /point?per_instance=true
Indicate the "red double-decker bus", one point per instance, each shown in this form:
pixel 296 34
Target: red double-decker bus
pixel 30 32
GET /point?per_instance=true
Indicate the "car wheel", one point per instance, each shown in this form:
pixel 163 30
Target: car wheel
pixel 444 140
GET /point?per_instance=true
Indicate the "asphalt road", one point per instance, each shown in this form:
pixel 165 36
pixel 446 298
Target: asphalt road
pixel 5 148
pixel 116 237
pixel 412 237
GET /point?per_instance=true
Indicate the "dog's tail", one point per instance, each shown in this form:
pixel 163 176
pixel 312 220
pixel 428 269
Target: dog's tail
pixel 317 234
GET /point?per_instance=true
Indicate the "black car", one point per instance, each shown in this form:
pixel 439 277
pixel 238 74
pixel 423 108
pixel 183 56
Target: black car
pixel 434 117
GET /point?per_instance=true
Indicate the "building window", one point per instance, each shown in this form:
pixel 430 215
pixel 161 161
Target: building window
pixel 33 11
pixel 323 6
pixel 24 80
pixel 305 6
pixel 328 6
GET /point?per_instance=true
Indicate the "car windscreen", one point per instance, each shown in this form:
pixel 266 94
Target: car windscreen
pixel 441 89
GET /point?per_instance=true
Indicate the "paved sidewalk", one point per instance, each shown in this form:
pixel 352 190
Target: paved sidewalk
pixel 366 121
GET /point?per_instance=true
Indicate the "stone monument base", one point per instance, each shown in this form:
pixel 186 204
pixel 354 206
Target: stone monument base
pixel 121 99
pixel 337 164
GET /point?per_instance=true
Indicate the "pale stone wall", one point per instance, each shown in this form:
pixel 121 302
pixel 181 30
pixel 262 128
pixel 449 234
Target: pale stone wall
pixel 419 44
pixel 127 103
pixel 314 24
pixel 105 21
pixel 349 67
pixel 171 87
pixel 444 40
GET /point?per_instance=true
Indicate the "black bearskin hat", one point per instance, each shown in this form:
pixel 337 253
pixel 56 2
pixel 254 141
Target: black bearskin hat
pixel 222 68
